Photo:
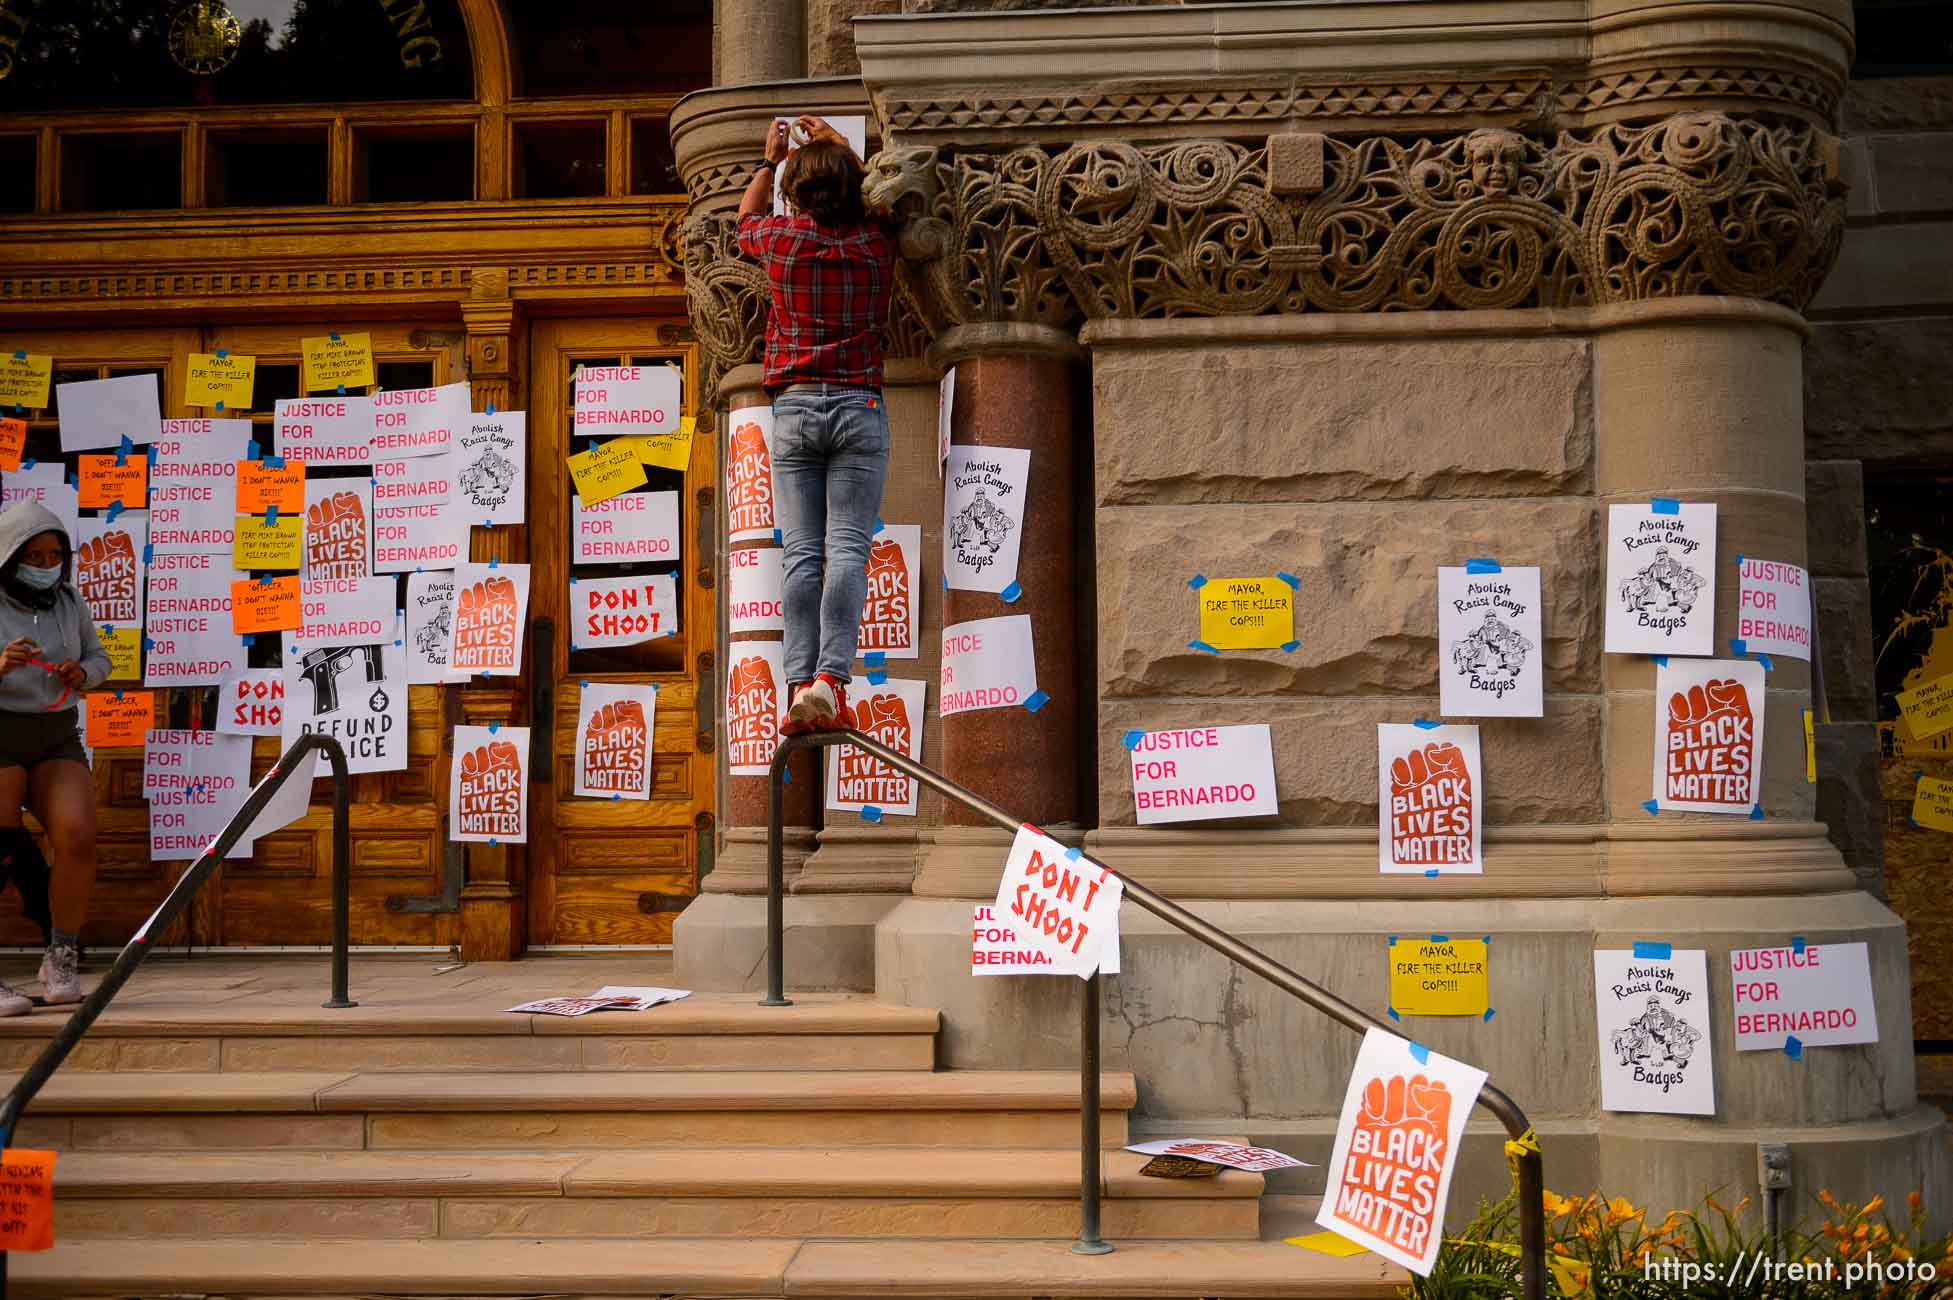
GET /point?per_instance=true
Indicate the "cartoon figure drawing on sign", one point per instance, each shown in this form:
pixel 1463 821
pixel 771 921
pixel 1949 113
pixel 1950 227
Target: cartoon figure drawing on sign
pixel 432 636
pixel 487 481
pixel 979 532
pixel 1666 584
pixel 1496 652
pixel 1656 1037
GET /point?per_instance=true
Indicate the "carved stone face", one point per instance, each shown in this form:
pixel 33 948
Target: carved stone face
pixel 902 181
pixel 1495 158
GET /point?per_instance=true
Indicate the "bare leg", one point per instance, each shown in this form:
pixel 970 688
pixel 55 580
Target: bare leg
pixel 62 794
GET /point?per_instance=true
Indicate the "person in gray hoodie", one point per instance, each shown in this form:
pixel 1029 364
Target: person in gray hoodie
pixel 49 655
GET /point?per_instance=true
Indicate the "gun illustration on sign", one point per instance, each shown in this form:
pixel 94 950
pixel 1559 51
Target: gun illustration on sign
pixel 322 668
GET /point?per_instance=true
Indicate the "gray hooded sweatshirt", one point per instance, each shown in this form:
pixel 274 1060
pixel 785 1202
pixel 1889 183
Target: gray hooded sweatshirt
pixel 67 631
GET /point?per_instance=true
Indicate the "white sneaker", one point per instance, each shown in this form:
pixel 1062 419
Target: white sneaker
pixel 13 1002
pixel 60 975
pixel 814 705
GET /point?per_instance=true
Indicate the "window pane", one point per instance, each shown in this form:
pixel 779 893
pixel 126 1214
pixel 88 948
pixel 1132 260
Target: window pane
pixel 396 375
pixel 17 173
pixel 425 168
pixel 596 47
pixel 559 161
pixel 116 173
pixel 272 384
pixel 282 169
pixel 654 169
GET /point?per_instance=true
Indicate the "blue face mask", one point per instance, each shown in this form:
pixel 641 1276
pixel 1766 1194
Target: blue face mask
pixel 38 578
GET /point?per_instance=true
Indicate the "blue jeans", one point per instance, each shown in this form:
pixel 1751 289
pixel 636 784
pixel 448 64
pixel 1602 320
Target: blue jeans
pixel 830 458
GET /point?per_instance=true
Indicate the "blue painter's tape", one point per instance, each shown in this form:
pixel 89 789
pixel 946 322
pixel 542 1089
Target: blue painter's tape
pixel 870 813
pixel 274 462
pixel 491 408
pixel 271 516
pixel 1197 581
pixel 1074 853
pixel 249 638
pixel 1132 738
pixel 267 580
pixel 1739 559
pixel 877 677
pixel 115 508
pixel 1756 812
pixel 122 451
pixel 1765 661
pixel 945 582
pixel 494 561
pixel 786 774
pixel 879 525
pixel 1440 938
pixel 147 644
pixel 494 727
pixel 1291 580
pixel 220 403
pixel 1486 938
pixel 150 452
pixel 1432 872
pixel 222 353
pixel 252 451
pixel 20 354
pixel 1393 941
pixel 29 462
pixel 875 658
pixel 333 335
pixel 1291 646
pixel 118 692
pixel 1736 646
pixel 1661 660
pixel 342 393
pixel 1483 565
pixel 1202 646
pixel 1797 943
pixel 493 840
pixel 1421 1052
pixel 1653 951
pixel 776 537
pixel 1425 724
pixel 1037 701
pixel 1489 1013
pixel 1011 593
pixel 1665 505
pixel 616 798
pixel 1793 1047
pixel 583 684
pixel 1392 1013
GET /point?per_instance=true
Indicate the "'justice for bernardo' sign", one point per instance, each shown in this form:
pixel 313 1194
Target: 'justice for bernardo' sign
pixel 1819 994
pixel 1200 773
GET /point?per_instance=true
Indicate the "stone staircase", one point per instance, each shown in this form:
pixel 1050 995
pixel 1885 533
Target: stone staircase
pixel 706 1148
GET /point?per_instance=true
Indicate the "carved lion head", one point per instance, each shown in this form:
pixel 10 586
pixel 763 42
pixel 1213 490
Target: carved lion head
pixel 901 181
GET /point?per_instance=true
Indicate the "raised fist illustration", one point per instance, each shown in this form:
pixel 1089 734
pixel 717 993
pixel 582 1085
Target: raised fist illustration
pixel 105 568
pixel 885 718
pixel 1720 698
pixel 491 767
pixel 488 603
pixel 1416 1100
pixel 618 726
pixel 335 537
pixel 755 696
pixel 1438 761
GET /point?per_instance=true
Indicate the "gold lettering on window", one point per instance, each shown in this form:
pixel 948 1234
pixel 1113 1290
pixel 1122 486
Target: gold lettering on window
pixel 409 17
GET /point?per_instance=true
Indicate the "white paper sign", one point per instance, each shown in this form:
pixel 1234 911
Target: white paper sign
pixel 338 527
pixel 1396 1149
pixel 419 537
pixel 853 129
pixel 343 611
pixel 430 628
pixel 753 590
pixel 357 694
pixel 995 950
pixel 756 705
pixel 749 474
pixel 1200 773
pixel 1490 651
pixel 491 468
pixel 892 714
pixel 983 516
pixel 622 611
pixel 422 481
pixel 488 789
pixel 418 421
pixel 945 403
pixel 615 401
pixel 1256 1160
pixel 627 528
pixel 187 622
pixel 614 725
pixel 292 801
pixel 324 430
pixel 891 609
pixel 1773 609
pixel 108 567
pixel 988 663
pixel 491 613
pixel 1819 994
pixel 1057 903
pixel 192 485
pixel 195 781
pixel 1708 735
pixel 1431 800
pixel 252 703
pixel 1661 579
pixel 102 412
pixel 45 483
pixel 1655 1045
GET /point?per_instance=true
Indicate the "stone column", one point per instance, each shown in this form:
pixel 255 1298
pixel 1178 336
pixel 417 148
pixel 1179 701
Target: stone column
pixel 758 40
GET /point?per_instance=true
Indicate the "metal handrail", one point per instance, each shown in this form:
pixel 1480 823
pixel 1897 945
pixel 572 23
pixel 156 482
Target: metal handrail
pixel 84 1016
pixel 1522 1148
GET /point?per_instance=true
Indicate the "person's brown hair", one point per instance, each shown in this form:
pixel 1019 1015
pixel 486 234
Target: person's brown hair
pixel 823 179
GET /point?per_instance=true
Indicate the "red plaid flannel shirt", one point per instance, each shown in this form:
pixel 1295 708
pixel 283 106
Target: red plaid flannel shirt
pixel 831 293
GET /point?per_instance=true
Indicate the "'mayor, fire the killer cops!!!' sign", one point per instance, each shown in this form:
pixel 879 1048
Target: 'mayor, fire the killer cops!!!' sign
pixel 988 663
pixel 1200 773
pixel 610 401
pixel 1057 903
pixel 625 529
pixel 1396 1149
pixel 753 589
pixel 890 609
pixel 488 786
pixel 1439 976
pixel 1773 608
pixel 995 949
pixel 1818 994
pixel 749 474
pixel 1708 735
pixel 418 421
pixel 1661 579
pixel 983 516
pixel 892 714
pixel 1430 798
pixel 756 704
pixel 1652 1008
pixel 1490 660
pixel 1246 613
pixel 614 725
pixel 187 621
pixel 622 611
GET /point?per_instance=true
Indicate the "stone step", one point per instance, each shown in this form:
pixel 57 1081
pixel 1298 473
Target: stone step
pixel 565 1110
pixel 727 1031
pixel 752 1192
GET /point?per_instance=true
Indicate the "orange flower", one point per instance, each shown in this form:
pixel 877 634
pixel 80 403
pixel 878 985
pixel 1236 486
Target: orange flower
pixel 1912 1199
pixel 1876 1204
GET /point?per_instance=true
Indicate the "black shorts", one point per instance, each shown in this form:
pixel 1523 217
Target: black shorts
pixel 30 739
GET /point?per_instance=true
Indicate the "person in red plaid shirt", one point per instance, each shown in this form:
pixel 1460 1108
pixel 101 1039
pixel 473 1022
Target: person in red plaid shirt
pixel 831 268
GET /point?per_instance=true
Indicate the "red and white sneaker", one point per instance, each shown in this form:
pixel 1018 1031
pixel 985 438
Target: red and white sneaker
pixel 822 705
pixel 793 726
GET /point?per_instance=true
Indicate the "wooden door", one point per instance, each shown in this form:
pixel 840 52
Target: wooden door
pixel 615 871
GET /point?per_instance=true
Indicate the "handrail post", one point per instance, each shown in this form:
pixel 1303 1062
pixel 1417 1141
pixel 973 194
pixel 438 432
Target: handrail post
pixel 776 851
pixel 1090 1241
pixel 342 871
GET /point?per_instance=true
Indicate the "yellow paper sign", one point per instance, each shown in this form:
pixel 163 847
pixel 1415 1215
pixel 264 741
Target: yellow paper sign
pixel 13 443
pixel 220 379
pixel 667 450
pixel 1328 1243
pixel 1810 749
pixel 335 359
pixel 1246 613
pixel 1439 977
pixel 119 717
pixel 102 482
pixel 1928 707
pixel 606 470
pixel 1932 804
pixel 277 545
pixel 24 378
pixel 27 1189
pixel 124 647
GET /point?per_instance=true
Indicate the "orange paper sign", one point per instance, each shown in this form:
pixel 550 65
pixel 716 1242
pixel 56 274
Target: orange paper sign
pixel 26 1199
pixel 265 605
pixel 119 717
pixel 13 442
pixel 262 484
pixel 103 482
